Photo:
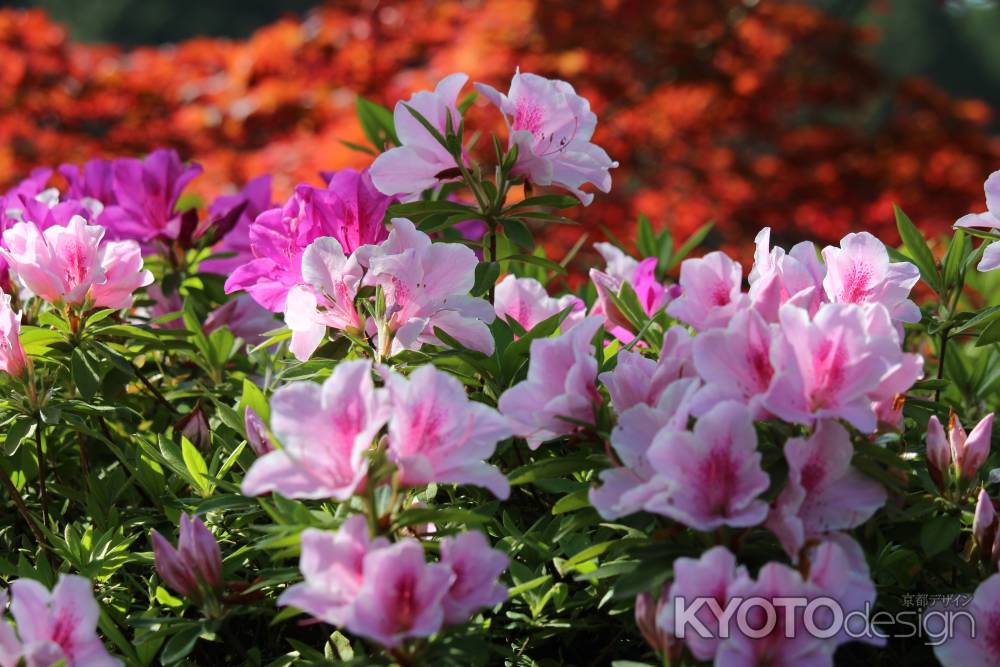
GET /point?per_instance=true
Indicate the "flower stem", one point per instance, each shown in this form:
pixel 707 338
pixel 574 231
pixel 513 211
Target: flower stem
pixel 42 489
pixel 22 509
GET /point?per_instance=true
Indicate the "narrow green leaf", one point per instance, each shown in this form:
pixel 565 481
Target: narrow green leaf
pixel 916 247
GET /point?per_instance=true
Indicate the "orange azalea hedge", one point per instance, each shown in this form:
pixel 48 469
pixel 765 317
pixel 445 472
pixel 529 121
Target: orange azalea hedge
pixel 751 116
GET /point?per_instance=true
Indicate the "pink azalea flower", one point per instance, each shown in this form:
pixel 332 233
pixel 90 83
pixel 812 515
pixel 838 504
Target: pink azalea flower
pixel 426 285
pixel 984 522
pixel 326 299
pixel 475 568
pixel 560 383
pixel 401 596
pixel 859 272
pixel 255 197
pixel 123 275
pixel 830 365
pixel 973 644
pixel 420 162
pixel 436 434
pixel 966 452
pixel 837 567
pixel 195 565
pixel 58 625
pixel 12 357
pixel 638 379
pixel 778 277
pixel 710 576
pixel 714 472
pixel 325 432
pixel 525 301
pixel 735 363
pixel 775 581
pixel 332 565
pixel 58 265
pixel 146 195
pixel 824 493
pixel 552 128
pixel 257 434
pixel 635 485
pixel 988 220
pixel 244 317
pixel 710 291
pixel 352 213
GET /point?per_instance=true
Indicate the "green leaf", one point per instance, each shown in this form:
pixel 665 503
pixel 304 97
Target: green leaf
pixel 254 399
pixel 690 244
pixel 545 201
pixel 536 261
pixel 438 517
pixel 916 247
pixel 85 376
pixel 180 645
pixel 572 502
pixel 981 319
pixel 17 431
pixel 939 533
pixel 990 334
pixel 486 277
pixel 645 239
pixel 196 466
pixel 517 232
pixel 550 469
pixel 376 122
pixel 954 259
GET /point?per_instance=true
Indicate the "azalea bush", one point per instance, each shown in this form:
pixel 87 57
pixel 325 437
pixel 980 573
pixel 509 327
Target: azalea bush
pixel 372 424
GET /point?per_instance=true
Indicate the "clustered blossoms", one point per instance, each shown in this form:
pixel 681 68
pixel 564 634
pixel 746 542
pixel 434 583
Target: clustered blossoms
pixel 423 389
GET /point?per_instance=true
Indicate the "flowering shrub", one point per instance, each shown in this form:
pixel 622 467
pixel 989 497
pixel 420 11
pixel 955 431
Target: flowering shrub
pixel 429 458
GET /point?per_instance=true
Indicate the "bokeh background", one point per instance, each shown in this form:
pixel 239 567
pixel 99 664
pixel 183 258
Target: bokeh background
pixel 810 117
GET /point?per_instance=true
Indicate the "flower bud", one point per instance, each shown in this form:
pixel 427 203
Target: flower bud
pixel 971 452
pixel 257 436
pixel 200 550
pixel 938 453
pixel 984 523
pixel 171 567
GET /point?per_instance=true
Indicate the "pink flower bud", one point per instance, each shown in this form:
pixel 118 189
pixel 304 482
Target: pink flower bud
pixel 971 452
pixel 938 453
pixel 646 611
pixel 199 549
pixel 257 436
pixel 984 523
pixel 12 359
pixel 171 567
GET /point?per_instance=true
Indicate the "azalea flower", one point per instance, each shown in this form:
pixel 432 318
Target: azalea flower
pixel 146 193
pixel 436 434
pixel 638 379
pixel 196 563
pixel 641 276
pixel 735 363
pixel 832 365
pixel 560 384
pixel 349 211
pixel 332 565
pixel 255 198
pixel 824 493
pixel 552 128
pixel 426 286
pixel 988 220
pixel 778 277
pixel 714 472
pixel 710 291
pixel 325 432
pixel 70 264
pixel 401 595
pixel 55 626
pixel 525 301
pixel 244 317
pixel 420 162
pixel 257 435
pixel 859 272
pixel 326 299
pixel 475 568
pixel 633 484
pixel 975 641
pixel 12 358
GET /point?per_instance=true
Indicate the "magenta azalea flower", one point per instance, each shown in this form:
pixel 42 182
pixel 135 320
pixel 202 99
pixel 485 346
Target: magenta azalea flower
pixel 552 128
pixel 146 194
pixel 255 198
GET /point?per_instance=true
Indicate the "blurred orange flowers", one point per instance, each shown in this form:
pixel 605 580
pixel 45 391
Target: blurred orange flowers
pixel 747 114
